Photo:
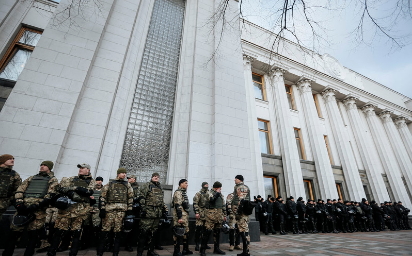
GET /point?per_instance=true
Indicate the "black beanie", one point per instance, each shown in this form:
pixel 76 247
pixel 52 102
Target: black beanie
pixel 217 184
pixel 182 181
pixel 204 183
pixel 239 177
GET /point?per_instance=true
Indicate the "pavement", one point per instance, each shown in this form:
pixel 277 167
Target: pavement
pixel 361 243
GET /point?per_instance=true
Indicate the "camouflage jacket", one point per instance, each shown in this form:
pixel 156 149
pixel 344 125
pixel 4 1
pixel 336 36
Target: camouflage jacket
pixel 80 208
pixel 8 187
pixel 20 196
pixel 229 208
pixel 135 187
pixel 180 202
pixel 212 201
pixel 151 194
pixel 109 189
pixel 200 200
pixel 241 191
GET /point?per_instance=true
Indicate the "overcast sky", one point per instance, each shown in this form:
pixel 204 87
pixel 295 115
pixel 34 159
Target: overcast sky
pixel 377 57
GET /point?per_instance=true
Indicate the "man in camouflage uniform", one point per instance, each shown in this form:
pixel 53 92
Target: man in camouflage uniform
pixel 199 204
pixel 234 235
pixel 180 206
pixel 9 182
pixel 51 215
pixel 79 189
pixel 215 215
pixel 151 198
pixel 131 234
pixel 91 226
pixel 32 198
pixel 116 202
pixel 242 192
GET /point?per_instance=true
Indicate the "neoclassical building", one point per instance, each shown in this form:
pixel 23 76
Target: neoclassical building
pixel 155 86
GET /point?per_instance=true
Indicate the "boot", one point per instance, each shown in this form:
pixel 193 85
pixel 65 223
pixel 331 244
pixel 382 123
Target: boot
pixel 11 243
pixel 216 240
pixel 102 242
pixel 245 239
pixel 186 250
pixel 75 242
pixel 282 229
pixel 65 242
pixel 31 243
pixel 141 242
pixel 58 234
pixel 150 250
pixel 205 237
pixel 116 243
pixel 87 234
pixel 231 239
pixel 176 246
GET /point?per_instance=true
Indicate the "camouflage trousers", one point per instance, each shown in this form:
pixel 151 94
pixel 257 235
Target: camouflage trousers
pixel 185 218
pixel 214 219
pixel 151 224
pixel 202 220
pixel 232 221
pixel 113 220
pixel 37 223
pixel 242 222
pixel 93 219
pixel 72 223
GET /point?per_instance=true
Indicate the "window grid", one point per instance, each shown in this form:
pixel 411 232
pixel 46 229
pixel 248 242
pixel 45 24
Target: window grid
pixel 274 190
pixel 264 136
pixel 289 94
pixel 299 143
pixel 309 189
pixel 259 86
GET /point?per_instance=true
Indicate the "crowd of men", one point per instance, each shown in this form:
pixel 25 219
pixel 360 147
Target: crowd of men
pixel 333 216
pixel 79 209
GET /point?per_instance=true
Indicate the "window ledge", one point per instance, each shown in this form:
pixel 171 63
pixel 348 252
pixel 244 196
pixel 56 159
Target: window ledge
pixel 262 101
pixel 294 111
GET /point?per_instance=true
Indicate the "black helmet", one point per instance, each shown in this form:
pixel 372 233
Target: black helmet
pixel 62 203
pixel 22 220
pixel 225 227
pixel 179 231
pixel 128 223
pixel 164 223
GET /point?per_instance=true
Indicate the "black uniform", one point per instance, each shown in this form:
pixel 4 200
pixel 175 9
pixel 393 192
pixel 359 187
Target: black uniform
pixel 268 206
pixel 301 208
pixel 321 214
pixel 331 217
pixel 280 210
pixel 292 215
pixel 311 214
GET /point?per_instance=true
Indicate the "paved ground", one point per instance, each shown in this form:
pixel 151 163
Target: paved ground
pixel 365 244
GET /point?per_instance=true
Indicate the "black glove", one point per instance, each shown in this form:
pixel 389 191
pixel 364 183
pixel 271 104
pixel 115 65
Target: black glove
pixel 92 202
pixel 21 209
pixel 102 213
pixel 44 203
pixel 83 191
pixel 165 214
pixel 33 207
pixel 128 212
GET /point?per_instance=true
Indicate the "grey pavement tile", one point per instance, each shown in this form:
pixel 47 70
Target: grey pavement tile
pixel 269 252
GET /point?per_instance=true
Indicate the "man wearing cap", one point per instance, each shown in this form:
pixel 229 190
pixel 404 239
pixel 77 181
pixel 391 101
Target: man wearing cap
pixel 242 192
pixel 32 198
pixel 91 226
pixel 131 234
pixel 9 182
pixel 116 202
pixel 215 215
pixel 78 189
pixel 199 204
pixel 151 198
pixel 180 205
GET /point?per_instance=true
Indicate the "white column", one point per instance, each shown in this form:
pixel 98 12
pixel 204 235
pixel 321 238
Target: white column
pixel 398 147
pixel 255 152
pixel 369 157
pixel 350 169
pixel 289 151
pixel 324 173
pixel 386 155
pixel 405 134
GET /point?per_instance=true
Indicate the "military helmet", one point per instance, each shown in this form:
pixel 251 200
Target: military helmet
pixel 22 220
pixel 179 231
pixel 128 223
pixel 62 203
pixel 225 227
pixel 164 223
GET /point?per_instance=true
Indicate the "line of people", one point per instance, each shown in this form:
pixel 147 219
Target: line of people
pixel 79 208
pixel 334 216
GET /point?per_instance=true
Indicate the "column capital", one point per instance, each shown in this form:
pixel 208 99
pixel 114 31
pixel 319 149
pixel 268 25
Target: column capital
pixel 400 122
pixel 350 102
pixel 329 94
pixel 247 59
pixel 385 115
pixel 304 85
pixel 369 109
pixel 276 72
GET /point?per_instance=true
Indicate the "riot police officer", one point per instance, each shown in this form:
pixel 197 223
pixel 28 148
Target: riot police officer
pixel 311 213
pixel 293 214
pixel 151 199
pixel 281 214
pixel 116 202
pixel 321 214
pixel 301 208
pixel 331 217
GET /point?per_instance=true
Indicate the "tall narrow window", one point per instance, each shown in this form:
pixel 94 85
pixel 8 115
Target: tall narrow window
pixel 315 98
pixel 264 137
pixel 259 86
pixel 299 143
pixel 309 189
pixel 339 189
pixel 14 60
pixel 325 137
pixel 271 186
pixel 289 94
